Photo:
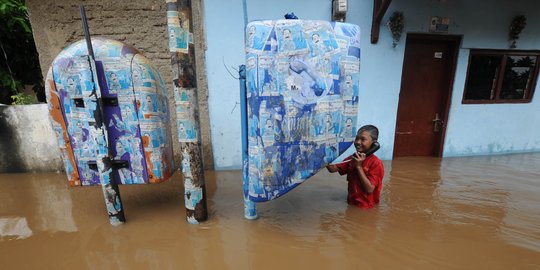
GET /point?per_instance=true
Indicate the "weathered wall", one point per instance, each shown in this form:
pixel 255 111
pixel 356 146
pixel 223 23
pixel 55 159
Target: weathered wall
pixel 27 141
pixel 140 23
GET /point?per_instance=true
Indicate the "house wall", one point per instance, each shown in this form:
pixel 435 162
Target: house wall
pixel 479 129
pixel 471 130
pixel 140 23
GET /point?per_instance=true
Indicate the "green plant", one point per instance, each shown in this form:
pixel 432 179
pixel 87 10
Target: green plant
pixel 518 24
pixel 22 99
pixel 19 64
pixel 396 24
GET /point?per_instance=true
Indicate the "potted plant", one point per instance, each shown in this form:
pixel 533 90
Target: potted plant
pixel 518 24
pixel 395 25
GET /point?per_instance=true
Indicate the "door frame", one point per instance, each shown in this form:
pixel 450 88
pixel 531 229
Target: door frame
pixel 426 37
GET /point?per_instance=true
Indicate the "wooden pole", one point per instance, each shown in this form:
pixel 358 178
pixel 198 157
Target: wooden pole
pixel 180 29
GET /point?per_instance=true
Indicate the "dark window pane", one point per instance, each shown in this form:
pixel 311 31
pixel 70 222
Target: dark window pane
pixel 482 79
pixel 517 77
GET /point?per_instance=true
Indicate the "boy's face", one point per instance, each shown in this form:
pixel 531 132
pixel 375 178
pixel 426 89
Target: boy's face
pixel 363 141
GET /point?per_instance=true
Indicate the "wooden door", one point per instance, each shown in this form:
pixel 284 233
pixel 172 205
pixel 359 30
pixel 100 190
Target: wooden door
pixel 424 99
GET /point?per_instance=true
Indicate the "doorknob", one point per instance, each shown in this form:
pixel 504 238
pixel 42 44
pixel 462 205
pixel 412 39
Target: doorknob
pixel 437 122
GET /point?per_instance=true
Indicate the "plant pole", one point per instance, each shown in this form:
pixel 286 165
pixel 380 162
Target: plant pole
pixel 182 50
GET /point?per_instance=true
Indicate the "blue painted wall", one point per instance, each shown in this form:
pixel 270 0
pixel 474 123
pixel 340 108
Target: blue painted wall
pixel 224 22
pixel 472 129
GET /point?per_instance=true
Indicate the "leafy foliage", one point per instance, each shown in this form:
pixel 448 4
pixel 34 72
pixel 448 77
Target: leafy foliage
pixel 518 24
pixel 22 99
pixel 396 24
pixel 19 64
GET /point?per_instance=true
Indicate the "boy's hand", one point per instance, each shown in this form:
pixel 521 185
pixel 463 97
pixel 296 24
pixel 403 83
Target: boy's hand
pixel 358 159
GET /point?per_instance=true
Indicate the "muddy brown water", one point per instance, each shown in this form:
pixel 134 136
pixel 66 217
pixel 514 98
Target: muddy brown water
pixel 453 213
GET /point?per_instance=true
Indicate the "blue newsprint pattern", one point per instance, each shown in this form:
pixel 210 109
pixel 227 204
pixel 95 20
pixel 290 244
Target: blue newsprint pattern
pixel 302 95
pixel 137 125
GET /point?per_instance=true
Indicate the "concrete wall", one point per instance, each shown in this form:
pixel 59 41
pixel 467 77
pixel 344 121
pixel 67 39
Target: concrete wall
pixel 472 129
pixel 140 23
pixel 27 141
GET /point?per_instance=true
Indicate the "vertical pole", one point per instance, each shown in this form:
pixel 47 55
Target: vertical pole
pixel 87 33
pixel 250 208
pixel 103 154
pixel 244 9
pixel 180 25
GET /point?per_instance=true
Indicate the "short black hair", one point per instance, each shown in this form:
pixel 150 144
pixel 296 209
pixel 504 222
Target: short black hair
pixel 372 130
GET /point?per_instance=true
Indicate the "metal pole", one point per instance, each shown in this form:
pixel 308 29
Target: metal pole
pixel 244 9
pixel 103 154
pixel 180 28
pixel 86 32
pixel 250 207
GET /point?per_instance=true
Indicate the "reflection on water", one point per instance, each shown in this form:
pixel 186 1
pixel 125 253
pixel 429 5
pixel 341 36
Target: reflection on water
pixel 505 197
pixel 53 204
pixel 454 213
pixel 14 228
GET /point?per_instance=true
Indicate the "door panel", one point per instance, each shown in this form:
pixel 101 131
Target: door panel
pixel 428 72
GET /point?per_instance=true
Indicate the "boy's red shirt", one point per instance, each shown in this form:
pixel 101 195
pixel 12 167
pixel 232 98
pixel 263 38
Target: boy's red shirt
pixel 374 170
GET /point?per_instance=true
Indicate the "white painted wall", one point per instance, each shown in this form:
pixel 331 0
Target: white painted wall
pixel 472 129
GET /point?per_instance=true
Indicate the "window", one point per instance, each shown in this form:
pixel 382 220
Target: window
pixel 501 76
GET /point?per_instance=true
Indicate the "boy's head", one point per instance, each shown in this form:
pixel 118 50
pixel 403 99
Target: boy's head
pixel 365 137
pixel 371 129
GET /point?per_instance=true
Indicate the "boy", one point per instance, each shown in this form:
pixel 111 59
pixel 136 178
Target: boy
pixel 364 173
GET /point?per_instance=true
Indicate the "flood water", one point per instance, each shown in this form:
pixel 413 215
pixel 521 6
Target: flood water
pixel 453 213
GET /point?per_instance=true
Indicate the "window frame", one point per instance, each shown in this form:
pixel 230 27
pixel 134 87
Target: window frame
pixel 500 75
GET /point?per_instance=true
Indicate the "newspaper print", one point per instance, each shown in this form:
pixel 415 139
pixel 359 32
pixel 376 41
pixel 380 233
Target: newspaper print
pixel 137 124
pixel 302 95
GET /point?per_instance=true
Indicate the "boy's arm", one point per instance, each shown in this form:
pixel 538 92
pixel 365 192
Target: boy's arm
pixel 332 168
pixel 364 180
pixel 341 167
